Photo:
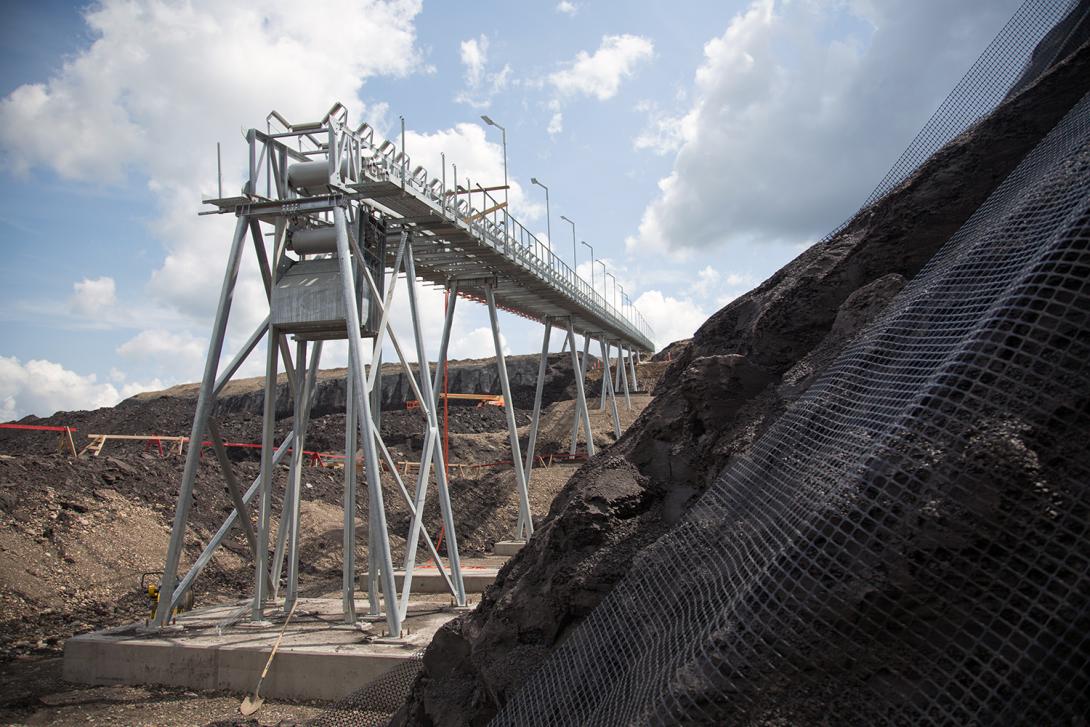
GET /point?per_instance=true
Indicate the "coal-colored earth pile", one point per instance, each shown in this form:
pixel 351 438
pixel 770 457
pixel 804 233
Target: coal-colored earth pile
pixel 402 430
pixel 774 596
pixel 165 415
pixel 409 425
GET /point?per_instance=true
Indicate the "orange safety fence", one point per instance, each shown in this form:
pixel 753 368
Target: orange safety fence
pixel 64 441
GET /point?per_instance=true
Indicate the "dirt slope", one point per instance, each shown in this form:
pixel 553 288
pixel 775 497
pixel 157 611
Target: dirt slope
pixel 742 367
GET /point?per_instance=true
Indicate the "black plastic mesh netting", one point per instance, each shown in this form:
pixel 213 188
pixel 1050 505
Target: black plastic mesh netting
pixel 1030 41
pixel 909 542
pixel 374 704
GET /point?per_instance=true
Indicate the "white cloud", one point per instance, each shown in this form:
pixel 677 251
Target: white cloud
pixel 798 109
pixel 481 86
pixel 663 133
pixel 93 295
pixel 174 355
pixel 43 387
pixel 479 159
pixel 556 123
pixel 161 83
pixel 600 74
pixel 706 279
pixel 567 7
pixel 474 54
pixel 670 318
pixel 477 343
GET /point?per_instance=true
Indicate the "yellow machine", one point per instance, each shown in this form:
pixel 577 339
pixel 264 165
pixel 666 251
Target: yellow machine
pixel 483 399
pixel 150 589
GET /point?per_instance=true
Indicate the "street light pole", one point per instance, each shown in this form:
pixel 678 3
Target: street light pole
pixel 573 243
pixel 591 248
pixel 548 216
pixel 614 290
pixel 603 278
pixel 506 207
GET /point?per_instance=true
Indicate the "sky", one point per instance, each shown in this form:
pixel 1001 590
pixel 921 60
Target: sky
pixel 697 146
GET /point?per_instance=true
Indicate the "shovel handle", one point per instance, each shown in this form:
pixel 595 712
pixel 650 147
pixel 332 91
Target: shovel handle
pixel 276 646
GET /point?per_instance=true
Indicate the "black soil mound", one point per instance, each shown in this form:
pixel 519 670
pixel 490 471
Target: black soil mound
pixel 743 366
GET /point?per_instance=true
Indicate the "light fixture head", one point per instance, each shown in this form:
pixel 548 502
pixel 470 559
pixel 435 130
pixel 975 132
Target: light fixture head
pixel 487 120
pixel 533 180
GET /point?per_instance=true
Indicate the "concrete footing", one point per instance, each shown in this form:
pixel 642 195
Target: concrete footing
pixel 427 580
pixel 318 659
pixel 507 548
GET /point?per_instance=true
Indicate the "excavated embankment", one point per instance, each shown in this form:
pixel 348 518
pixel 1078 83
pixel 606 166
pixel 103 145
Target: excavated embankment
pixel 742 368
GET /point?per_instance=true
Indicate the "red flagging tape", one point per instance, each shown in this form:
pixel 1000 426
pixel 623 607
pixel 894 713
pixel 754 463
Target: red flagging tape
pixel 37 427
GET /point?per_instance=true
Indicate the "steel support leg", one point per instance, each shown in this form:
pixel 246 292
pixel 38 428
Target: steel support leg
pixel 444 342
pixel 632 370
pixel 608 383
pixel 617 369
pixel 535 419
pixel 367 434
pixel 622 371
pixel 302 420
pixel 413 382
pixel 433 454
pixel 509 408
pixel 268 427
pixel 205 400
pixel 287 505
pixel 374 602
pixel 581 409
pixel 607 372
pixel 577 419
pixel 348 581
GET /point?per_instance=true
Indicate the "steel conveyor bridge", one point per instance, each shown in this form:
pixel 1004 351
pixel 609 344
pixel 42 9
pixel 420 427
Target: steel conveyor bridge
pixel 336 217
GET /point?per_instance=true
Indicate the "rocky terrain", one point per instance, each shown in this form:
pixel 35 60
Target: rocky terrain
pixel 743 367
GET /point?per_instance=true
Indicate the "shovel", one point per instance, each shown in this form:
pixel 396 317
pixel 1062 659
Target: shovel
pixel 253 702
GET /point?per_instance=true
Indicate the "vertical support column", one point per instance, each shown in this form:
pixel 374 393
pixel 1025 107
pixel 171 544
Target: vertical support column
pixel 581 385
pixel 607 372
pixel 622 372
pixel 525 516
pixel 348 582
pixel 432 456
pixel 376 387
pixel 618 368
pixel 444 341
pixel 367 434
pixel 268 426
pixel 205 399
pixel 632 369
pixel 581 409
pixel 608 383
pixel 535 418
pixel 374 604
pixel 287 504
pixel 302 420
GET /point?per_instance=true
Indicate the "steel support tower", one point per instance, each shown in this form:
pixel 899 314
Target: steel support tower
pixel 346 216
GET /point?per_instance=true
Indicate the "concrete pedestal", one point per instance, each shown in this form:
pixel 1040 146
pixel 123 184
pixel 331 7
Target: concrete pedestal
pixel 507 548
pixel 320 657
